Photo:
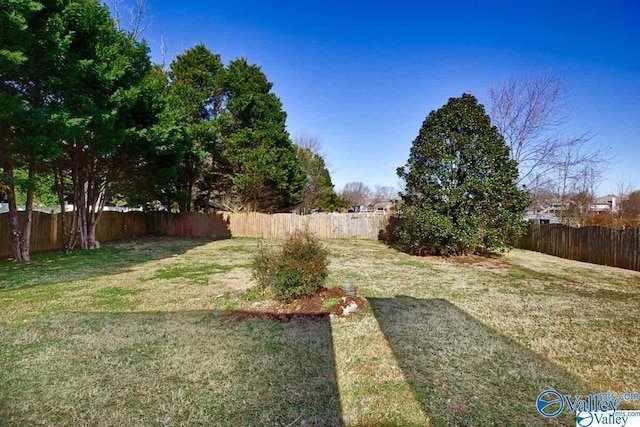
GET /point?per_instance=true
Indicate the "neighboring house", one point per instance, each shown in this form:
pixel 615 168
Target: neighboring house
pixel 604 204
pixel 359 209
pixel 385 206
pixel 542 218
pixel 551 212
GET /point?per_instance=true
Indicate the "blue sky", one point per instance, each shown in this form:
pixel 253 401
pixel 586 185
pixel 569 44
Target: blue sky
pixel 362 76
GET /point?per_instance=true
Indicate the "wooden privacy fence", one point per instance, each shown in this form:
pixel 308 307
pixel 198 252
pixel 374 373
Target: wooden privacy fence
pixel 46 234
pixel 325 225
pixel 598 245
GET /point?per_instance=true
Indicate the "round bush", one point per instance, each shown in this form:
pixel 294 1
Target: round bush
pixel 295 269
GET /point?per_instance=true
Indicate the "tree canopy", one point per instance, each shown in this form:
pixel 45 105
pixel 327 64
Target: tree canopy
pixel 267 175
pixel 461 194
pixel 83 110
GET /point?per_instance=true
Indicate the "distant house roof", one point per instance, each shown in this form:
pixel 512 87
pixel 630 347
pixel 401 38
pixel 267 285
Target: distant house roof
pixel 542 217
pixel 383 204
pixel 609 198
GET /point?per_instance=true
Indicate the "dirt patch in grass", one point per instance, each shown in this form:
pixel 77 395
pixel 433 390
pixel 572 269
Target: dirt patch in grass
pixel 467 259
pixel 340 303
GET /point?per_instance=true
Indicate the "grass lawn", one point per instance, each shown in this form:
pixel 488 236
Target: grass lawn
pixel 143 333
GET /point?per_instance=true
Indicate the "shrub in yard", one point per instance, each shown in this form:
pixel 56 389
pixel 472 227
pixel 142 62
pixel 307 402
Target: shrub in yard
pixel 296 268
pixel 461 192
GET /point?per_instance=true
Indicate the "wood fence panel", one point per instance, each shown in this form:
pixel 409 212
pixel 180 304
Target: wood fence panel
pixel 325 226
pixel 597 245
pixel 46 234
pixel 135 224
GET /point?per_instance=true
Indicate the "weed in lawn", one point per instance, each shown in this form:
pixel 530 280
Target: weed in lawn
pixel 519 274
pixel 255 293
pixel 330 302
pixel 419 263
pixel 114 298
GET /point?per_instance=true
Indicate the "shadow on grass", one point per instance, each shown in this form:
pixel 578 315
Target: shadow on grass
pixel 112 258
pixel 188 368
pixel 465 373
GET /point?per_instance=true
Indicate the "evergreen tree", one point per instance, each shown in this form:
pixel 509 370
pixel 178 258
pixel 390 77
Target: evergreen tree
pixel 195 100
pixel 102 110
pixel 32 40
pixel 265 171
pixel 319 192
pixel 461 194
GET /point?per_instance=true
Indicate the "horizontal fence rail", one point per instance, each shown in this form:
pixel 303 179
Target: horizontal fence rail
pixel 46 234
pixel 597 245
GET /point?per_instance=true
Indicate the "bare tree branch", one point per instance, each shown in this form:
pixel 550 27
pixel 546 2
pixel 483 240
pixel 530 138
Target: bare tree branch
pixel 312 142
pixel 530 113
pixel 382 193
pixel 356 192
pixel 163 50
pixel 138 19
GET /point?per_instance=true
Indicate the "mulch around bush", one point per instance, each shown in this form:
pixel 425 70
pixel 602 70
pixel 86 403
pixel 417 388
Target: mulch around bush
pixel 307 307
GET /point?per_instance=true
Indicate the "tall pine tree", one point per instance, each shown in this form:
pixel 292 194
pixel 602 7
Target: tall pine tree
pixel 267 175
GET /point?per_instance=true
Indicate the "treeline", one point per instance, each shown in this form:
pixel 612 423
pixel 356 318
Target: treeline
pixel 85 112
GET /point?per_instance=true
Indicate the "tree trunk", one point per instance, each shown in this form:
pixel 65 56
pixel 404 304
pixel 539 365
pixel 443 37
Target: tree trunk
pixel 66 235
pixel 25 238
pixel 14 223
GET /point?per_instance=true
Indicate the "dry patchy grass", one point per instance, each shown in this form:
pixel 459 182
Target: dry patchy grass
pixel 188 368
pixel 503 326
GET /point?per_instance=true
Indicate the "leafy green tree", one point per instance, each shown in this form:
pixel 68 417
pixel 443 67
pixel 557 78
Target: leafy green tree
pixel 318 193
pixel 31 40
pixel 461 194
pixel 101 110
pixel 42 185
pixel 158 153
pixel 195 100
pixel 265 171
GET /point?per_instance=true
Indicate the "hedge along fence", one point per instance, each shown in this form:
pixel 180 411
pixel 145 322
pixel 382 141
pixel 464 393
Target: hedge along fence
pixel 46 234
pixel 597 245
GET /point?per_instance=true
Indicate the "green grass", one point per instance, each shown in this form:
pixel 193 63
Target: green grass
pixel 135 333
pixel 463 372
pixel 57 267
pixel 197 275
pixel 330 302
pixel 168 369
pixel 253 294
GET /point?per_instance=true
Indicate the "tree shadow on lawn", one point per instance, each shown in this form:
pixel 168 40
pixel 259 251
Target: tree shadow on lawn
pixel 188 368
pixel 112 258
pixel 465 373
